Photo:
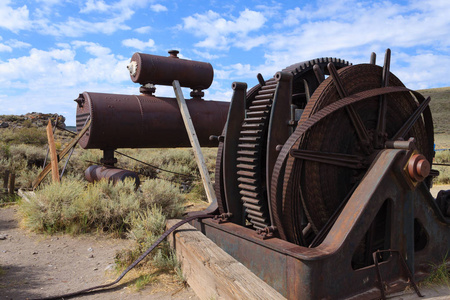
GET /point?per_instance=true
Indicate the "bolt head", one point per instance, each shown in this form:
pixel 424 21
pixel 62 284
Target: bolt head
pixel 418 167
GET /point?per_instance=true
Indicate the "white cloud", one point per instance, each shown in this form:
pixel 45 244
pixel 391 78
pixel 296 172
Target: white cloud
pixel 144 29
pixel 219 32
pixel 5 48
pixel 206 55
pixel 351 30
pixel 92 48
pixel 95 6
pixel 50 2
pixel 417 71
pixel 293 16
pixel 101 17
pixel 158 7
pixel 50 80
pixel 18 44
pixel 14 19
pixel 138 44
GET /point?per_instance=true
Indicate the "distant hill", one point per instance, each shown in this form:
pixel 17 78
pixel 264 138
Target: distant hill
pixel 30 119
pixel 440 108
pixel 72 128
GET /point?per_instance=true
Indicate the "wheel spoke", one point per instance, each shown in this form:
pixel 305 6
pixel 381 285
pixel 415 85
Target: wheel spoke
pixel 356 121
pixel 373 58
pixel 411 121
pixel 382 109
pixel 337 159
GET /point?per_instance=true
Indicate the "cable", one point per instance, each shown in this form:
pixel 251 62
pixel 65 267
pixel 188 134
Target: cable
pixel 155 244
pixel 142 162
pixel 158 168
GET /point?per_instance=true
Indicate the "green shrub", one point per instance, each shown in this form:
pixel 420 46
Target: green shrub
pixel 51 210
pixel 5 151
pixel 31 136
pixel 105 206
pixel 164 195
pixel 27 152
pixel 442 157
pixel 11 118
pixel 146 227
pixel 26 176
pixel 24 135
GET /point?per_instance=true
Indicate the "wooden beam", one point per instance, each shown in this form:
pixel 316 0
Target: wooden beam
pixel 211 272
pixel 63 153
pixel 53 155
pixel 210 194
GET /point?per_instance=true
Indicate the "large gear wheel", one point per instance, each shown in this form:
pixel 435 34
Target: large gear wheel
pixel 321 164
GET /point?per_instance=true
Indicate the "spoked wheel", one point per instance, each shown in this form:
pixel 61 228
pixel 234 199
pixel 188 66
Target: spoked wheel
pixel 332 148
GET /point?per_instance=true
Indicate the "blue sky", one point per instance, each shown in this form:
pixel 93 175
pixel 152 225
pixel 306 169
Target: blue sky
pixel 52 50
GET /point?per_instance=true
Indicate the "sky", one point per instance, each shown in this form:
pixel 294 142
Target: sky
pixel 53 50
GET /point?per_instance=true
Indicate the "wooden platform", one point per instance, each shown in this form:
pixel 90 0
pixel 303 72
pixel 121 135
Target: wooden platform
pixel 211 272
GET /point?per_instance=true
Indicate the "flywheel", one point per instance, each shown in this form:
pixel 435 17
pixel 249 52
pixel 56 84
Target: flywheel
pixel 347 121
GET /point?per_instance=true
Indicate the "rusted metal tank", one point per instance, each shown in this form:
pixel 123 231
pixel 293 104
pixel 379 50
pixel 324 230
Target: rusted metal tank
pixel 145 121
pixel 96 173
pixel 154 69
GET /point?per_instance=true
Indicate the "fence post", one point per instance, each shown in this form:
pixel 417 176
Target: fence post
pixel 12 182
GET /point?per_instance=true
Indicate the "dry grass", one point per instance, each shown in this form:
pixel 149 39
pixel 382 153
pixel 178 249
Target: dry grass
pixel 439 275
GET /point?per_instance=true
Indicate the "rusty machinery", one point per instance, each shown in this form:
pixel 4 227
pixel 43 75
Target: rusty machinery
pixel 322 176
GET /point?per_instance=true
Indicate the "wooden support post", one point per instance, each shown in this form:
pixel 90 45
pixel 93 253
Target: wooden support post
pixel 12 183
pixel 53 155
pixel 194 142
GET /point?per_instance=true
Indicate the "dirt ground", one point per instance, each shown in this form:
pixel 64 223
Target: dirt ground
pixel 36 266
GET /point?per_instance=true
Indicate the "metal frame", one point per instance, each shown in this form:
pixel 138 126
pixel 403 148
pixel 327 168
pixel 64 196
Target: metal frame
pixel 305 273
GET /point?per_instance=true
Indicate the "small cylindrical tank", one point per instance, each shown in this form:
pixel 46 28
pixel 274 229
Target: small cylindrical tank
pixel 155 69
pixel 96 173
pixel 145 121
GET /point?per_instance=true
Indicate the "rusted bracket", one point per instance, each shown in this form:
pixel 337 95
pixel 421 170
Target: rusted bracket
pixel 266 233
pixel 222 218
pixel 405 268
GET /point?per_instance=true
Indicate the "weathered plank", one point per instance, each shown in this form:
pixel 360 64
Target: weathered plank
pixel 211 272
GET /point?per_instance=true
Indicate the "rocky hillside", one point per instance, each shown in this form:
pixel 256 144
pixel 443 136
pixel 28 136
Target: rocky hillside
pixel 31 119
